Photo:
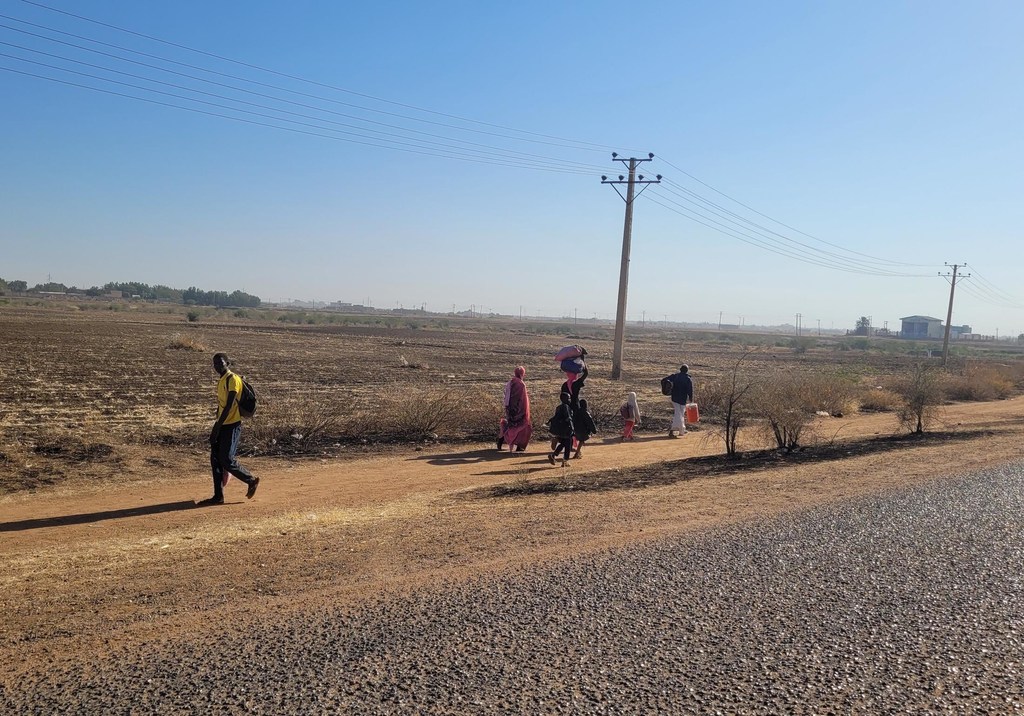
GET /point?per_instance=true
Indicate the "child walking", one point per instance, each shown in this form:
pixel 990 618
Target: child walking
pixel 562 428
pixel 585 426
pixel 630 412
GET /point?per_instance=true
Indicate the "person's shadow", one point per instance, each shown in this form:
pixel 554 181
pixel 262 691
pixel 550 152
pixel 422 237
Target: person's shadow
pixel 469 457
pixel 87 517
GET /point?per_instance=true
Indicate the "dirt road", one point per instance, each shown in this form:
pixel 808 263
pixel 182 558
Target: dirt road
pixel 91 570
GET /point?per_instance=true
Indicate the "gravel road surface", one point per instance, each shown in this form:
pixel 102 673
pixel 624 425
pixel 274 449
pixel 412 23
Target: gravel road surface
pixel 907 602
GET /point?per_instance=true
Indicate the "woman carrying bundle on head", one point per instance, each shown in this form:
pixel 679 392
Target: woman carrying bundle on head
pixel 571 361
pixel 516 429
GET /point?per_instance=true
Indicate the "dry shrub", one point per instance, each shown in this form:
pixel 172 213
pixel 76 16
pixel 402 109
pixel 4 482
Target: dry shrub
pixel 186 343
pixel 477 416
pixel 787 402
pixel 981 382
pixel 922 392
pixel 426 412
pixel 878 399
pixel 832 393
pixel 289 423
pixel 729 401
pixel 416 365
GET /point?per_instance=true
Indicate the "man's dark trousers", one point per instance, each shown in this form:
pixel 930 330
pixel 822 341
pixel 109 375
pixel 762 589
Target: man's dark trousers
pixel 223 458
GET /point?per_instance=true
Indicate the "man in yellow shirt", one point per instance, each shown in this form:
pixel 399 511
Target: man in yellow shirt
pixel 225 434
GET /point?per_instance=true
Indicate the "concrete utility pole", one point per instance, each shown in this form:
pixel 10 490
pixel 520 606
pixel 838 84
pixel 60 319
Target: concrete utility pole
pixel 949 311
pixel 627 231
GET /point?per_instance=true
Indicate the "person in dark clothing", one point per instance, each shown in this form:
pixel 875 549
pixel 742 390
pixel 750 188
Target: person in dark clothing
pixel 585 427
pixel 574 401
pixel 225 433
pixel 682 393
pixel 575 388
pixel 562 427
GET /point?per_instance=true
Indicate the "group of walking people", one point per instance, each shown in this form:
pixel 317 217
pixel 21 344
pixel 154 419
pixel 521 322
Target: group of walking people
pixel 572 424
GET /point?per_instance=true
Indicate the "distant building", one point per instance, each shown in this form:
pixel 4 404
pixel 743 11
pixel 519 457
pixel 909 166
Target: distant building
pixel 928 327
pixel 921 327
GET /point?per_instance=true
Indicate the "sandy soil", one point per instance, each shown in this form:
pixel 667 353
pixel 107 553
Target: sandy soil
pixel 86 569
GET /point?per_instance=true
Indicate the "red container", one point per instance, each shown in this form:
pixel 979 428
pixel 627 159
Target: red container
pixel 692 414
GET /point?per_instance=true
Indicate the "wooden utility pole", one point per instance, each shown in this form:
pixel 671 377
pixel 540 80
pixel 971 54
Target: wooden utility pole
pixel 627 231
pixel 949 311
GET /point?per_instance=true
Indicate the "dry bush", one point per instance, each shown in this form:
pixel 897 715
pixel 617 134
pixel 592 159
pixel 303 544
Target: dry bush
pixel 186 343
pixel 832 393
pixel 785 402
pixel 922 392
pixel 425 412
pixel 416 365
pixel 295 423
pixel 981 382
pixel 879 399
pixel 479 416
pixel 728 402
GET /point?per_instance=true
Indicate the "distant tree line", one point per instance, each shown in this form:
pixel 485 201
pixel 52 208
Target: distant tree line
pixel 191 296
pixel 195 296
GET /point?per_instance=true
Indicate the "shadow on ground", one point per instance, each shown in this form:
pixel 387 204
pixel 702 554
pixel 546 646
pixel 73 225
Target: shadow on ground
pixel 468 457
pixel 671 472
pixel 87 517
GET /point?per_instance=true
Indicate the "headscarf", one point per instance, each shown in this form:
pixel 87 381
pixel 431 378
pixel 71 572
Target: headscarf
pixel 520 373
pixel 517 400
pixel 631 402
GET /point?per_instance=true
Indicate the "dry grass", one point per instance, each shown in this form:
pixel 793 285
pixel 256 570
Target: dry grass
pixel 289 423
pixel 879 400
pixel 187 343
pixel 977 381
pixel 431 411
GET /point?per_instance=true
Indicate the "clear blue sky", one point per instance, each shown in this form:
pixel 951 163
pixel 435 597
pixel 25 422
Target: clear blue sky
pixel 888 129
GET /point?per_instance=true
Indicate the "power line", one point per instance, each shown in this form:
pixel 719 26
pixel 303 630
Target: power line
pixel 753 241
pixel 303 79
pixel 287 129
pixel 766 216
pixel 852 255
pixel 977 291
pixel 393 144
pixel 585 168
pixel 764 234
pixel 544 139
pixel 768 245
pixel 992 289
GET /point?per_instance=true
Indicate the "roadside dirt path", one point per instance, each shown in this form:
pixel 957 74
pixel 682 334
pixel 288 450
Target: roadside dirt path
pixel 88 569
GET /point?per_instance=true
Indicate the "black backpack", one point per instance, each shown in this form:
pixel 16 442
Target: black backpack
pixel 666 386
pixel 247 400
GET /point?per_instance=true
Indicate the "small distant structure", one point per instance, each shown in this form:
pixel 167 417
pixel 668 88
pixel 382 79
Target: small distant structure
pixel 925 327
pixel 921 327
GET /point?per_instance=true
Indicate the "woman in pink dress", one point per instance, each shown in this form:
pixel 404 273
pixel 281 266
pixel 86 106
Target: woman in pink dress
pixel 516 428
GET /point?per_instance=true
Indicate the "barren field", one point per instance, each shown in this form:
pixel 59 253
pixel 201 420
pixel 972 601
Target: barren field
pixel 102 548
pixel 111 395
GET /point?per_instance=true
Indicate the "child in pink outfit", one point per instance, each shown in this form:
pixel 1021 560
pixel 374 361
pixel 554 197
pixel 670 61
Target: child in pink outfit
pixel 630 412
